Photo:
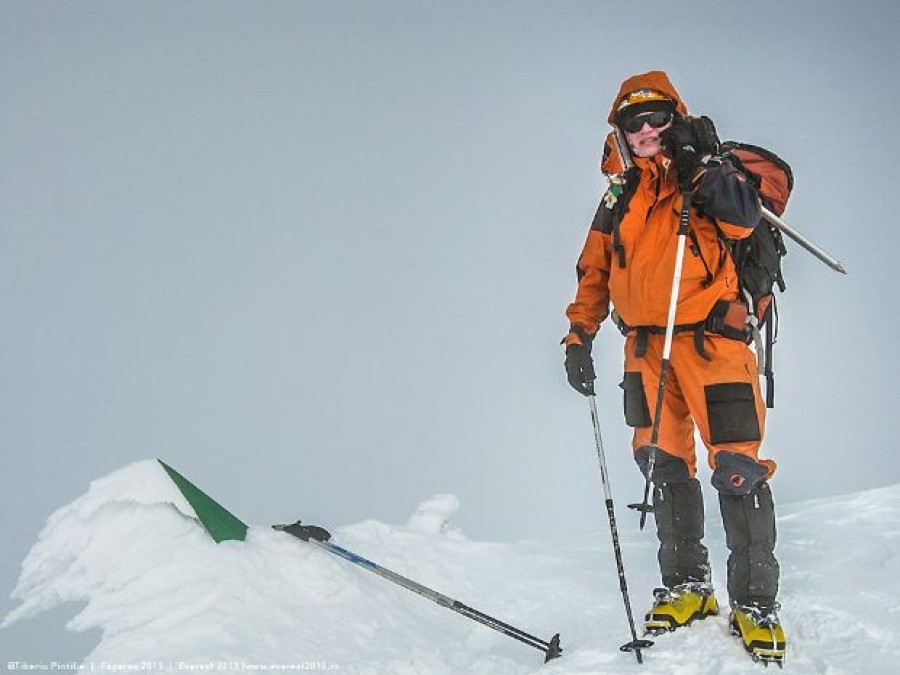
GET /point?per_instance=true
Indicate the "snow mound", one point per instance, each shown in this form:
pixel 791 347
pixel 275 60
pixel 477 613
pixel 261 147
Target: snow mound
pixel 122 517
pixel 168 599
pixel 434 515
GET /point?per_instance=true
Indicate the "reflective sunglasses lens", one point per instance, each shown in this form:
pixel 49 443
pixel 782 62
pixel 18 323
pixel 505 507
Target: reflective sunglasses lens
pixel 654 119
pixel 659 119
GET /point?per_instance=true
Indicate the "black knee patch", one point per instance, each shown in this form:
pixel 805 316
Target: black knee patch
pixel 637 412
pixel 731 409
pixel 666 468
pixel 737 474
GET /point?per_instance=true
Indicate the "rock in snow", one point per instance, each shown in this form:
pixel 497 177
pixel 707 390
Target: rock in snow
pixel 168 599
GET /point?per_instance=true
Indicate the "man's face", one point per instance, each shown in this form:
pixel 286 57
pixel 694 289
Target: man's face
pixel 645 141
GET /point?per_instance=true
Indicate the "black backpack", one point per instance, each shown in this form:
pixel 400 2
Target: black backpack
pixel 757 258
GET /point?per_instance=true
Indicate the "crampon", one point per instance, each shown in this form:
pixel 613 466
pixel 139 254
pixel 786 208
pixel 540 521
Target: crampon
pixel 679 606
pixel 760 632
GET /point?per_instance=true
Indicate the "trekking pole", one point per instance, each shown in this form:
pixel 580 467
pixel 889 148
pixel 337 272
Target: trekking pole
pixel 683 229
pixel 320 537
pixel 635 645
pixel 817 251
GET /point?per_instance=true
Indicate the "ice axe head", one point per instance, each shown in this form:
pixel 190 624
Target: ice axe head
pixel 644 508
pixel 553 649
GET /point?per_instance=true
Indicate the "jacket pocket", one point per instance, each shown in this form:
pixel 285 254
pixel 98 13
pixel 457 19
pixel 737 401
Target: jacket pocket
pixel 731 409
pixel 637 413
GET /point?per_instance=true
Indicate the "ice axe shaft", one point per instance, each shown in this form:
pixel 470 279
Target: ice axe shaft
pixel 817 251
pixel 319 537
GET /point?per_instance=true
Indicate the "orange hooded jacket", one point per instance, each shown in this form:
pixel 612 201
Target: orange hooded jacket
pixel 632 265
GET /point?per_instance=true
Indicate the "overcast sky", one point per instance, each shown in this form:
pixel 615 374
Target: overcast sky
pixel 315 255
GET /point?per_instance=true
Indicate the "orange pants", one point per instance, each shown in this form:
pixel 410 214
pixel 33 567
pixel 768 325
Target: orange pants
pixel 720 396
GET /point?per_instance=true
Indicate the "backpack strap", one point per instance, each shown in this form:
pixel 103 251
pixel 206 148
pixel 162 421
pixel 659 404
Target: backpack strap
pixel 782 251
pixel 771 338
pixel 614 207
pixel 695 249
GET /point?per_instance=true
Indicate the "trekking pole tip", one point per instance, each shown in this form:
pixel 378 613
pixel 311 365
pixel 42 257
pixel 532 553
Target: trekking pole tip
pixel 636 646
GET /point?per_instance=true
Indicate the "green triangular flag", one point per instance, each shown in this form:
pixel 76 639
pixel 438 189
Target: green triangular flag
pixel 221 524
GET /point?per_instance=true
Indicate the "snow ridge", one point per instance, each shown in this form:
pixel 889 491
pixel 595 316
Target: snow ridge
pixel 162 592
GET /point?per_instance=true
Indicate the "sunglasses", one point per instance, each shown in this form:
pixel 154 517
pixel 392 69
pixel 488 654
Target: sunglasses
pixel 656 120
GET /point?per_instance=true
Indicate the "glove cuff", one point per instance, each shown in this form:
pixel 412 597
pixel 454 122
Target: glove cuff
pixel 578 336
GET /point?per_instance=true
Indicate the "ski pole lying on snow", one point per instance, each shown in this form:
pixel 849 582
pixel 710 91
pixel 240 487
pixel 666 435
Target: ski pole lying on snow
pixel 320 537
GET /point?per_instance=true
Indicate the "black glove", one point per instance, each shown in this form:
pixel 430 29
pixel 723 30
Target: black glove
pixel 580 368
pixel 687 141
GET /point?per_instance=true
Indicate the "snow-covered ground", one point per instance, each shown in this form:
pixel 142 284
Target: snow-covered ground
pixel 168 599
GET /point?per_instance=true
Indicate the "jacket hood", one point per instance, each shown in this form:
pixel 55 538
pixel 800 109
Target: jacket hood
pixel 656 80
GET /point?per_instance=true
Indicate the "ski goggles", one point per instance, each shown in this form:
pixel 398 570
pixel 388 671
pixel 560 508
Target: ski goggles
pixel 656 119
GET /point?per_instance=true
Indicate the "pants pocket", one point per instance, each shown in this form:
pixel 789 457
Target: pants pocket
pixel 637 413
pixel 731 408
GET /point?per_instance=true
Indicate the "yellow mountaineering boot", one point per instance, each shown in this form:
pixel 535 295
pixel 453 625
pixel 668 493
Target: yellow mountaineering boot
pixel 679 606
pixel 760 631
